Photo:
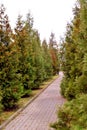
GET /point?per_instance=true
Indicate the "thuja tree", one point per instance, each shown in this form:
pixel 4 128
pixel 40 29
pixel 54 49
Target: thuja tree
pixel 22 44
pixel 39 61
pixel 82 80
pixel 30 49
pixel 8 80
pixel 71 58
pixel 53 48
pixel 75 54
pixel 47 60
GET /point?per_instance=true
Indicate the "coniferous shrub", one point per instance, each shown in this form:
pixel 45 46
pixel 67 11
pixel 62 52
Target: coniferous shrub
pixel 64 83
pixel 73 115
pixel 11 95
pixel 69 89
pixel 82 84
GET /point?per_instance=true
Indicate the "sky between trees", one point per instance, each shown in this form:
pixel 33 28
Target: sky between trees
pixel 49 16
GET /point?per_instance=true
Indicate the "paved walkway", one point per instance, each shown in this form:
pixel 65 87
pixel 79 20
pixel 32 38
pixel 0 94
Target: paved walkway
pixel 41 112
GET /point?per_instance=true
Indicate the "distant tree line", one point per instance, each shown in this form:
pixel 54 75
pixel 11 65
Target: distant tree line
pixel 25 61
pixel 73 115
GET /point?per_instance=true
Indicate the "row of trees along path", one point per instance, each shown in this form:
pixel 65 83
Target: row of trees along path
pixel 41 112
pixel 25 61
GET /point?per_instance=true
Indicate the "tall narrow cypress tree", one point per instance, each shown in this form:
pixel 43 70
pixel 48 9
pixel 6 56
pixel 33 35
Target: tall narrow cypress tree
pixel 8 80
pixel 53 48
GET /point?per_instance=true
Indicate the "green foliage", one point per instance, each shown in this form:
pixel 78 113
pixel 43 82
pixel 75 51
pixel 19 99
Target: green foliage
pixel 24 61
pixel 48 70
pixel 11 96
pixel 23 56
pixel 8 65
pixel 70 89
pixel 53 49
pixel 72 57
pixel 64 83
pixel 73 115
pixel 82 83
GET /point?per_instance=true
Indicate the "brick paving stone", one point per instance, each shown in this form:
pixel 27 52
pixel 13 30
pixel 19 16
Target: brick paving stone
pixel 41 112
